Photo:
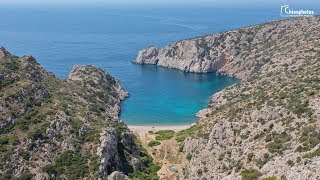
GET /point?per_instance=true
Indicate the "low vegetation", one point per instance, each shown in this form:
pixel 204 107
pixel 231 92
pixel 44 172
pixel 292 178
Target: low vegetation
pixel 70 163
pixel 164 135
pixel 250 174
pixel 182 135
pixel 270 178
pixel 312 154
pixel 277 144
pixel 189 156
pixel 310 137
pixel 153 143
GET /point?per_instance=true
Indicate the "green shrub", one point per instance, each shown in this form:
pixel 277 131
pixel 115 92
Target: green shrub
pixel 262 161
pixel 153 143
pixel 36 134
pixel 250 174
pixel 13 66
pixel 278 143
pixel 311 121
pixel 6 176
pixel 25 155
pixel 9 139
pixel 181 146
pixel 50 169
pixel 31 146
pixel 259 136
pixel 250 156
pixel 25 176
pixel 298 107
pixel 6 82
pixel 221 156
pixel 283 177
pixel 270 178
pixel 189 156
pixel 290 163
pixel 70 163
pixel 309 138
pixel 182 135
pixel 31 114
pixel 311 93
pixel 164 134
pixel 95 163
pixel 312 154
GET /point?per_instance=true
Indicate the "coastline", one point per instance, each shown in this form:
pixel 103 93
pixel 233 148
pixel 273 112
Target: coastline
pixel 145 129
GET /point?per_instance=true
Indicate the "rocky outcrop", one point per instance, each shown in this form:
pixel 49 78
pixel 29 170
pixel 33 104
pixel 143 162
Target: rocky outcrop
pixel 52 128
pixel 268 125
pixel 100 81
pixel 108 151
pixel 234 52
pixel 113 146
pixel 116 175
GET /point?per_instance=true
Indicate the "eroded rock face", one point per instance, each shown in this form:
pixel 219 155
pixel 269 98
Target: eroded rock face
pixel 108 151
pixel 116 175
pixel 185 55
pixel 148 56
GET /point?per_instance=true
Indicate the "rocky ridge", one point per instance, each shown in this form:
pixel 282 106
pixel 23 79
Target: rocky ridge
pixel 52 128
pixel 234 52
pixel 268 125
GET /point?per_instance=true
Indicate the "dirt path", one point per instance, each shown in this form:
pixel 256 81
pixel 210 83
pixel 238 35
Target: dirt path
pixel 166 154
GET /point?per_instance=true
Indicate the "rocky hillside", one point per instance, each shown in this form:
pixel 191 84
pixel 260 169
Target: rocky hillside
pixel 69 129
pixel 234 52
pixel 268 125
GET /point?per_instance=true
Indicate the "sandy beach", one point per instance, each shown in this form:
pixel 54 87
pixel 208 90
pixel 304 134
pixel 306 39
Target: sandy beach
pixel 145 129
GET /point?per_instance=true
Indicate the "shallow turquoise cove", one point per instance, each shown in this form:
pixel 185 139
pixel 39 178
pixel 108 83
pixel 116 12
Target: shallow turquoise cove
pixel 163 96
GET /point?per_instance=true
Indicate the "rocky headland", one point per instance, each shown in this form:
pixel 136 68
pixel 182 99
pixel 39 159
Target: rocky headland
pixel 69 129
pixel 268 125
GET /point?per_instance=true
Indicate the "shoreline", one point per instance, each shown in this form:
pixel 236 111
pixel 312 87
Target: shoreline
pixel 146 128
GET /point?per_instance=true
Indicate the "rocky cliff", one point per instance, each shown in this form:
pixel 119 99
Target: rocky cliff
pixel 234 52
pixel 52 128
pixel 268 125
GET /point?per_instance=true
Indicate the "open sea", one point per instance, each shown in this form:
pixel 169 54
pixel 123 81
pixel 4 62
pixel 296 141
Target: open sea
pixel 110 37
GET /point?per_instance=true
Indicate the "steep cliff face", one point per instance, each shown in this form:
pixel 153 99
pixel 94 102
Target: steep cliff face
pixel 235 52
pixel 52 128
pixel 268 125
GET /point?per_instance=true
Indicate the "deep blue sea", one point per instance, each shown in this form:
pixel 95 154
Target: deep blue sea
pixel 110 37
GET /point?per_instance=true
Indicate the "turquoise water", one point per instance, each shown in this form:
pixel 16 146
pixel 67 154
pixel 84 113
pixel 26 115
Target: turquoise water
pixel 111 37
pixel 167 96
